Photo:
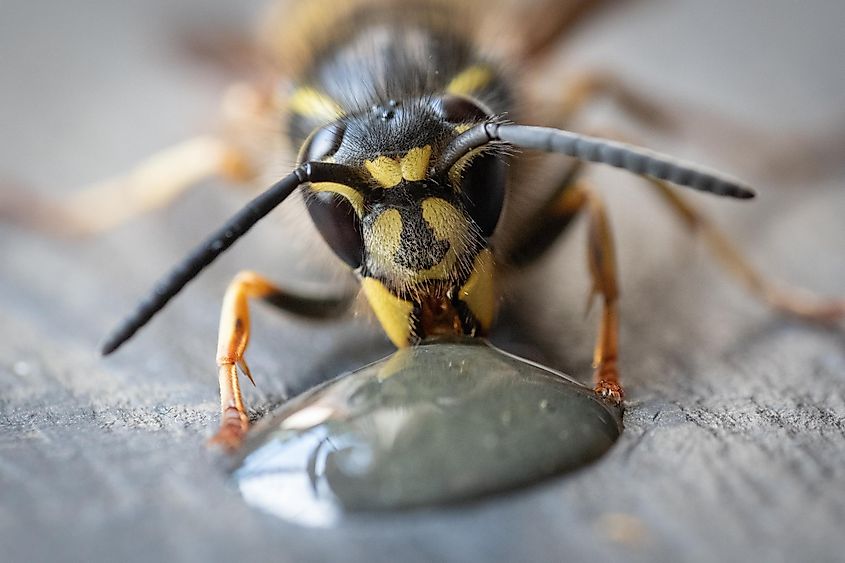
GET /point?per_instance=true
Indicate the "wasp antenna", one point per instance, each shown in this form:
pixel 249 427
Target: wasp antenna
pixel 593 149
pixel 222 239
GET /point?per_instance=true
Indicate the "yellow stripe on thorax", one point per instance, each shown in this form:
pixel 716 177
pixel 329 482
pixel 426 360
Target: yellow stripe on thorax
pixel 393 313
pixel 412 167
pixel 309 102
pixel 470 80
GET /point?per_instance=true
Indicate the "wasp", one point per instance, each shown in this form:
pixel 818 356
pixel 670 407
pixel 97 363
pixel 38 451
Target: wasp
pixel 406 121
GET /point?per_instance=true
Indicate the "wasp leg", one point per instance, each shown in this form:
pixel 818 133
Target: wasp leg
pixel 790 300
pixel 587 87
pixel 793 301
pixel 233 338
pixel 156 181
pixel 573 197
pixel 153 184
pixel 531 30
pixel 601 257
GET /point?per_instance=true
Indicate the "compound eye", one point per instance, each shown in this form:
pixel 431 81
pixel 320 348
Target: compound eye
pixel 483 190
pixel 458 109
pixel 483 180
pixel 323 143
pixel 338 224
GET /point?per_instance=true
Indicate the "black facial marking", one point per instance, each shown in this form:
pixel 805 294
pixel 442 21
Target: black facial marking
pixel 419 249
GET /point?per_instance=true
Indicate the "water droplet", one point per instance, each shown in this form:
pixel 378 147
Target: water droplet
pixel 422 436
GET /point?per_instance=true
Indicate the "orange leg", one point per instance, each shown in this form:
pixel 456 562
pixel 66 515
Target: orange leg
pixel 233 338
pixel 573 198
pixel 579 90
pixel 601 260
pixel 601 257
pixel 789 300
pixel 529 30
pixel 152 184
pixel 588 87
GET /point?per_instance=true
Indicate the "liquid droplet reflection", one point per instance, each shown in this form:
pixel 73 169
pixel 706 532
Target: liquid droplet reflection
pixel 429 425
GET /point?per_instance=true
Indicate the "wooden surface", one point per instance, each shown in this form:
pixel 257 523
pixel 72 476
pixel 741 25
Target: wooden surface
pixel 735 441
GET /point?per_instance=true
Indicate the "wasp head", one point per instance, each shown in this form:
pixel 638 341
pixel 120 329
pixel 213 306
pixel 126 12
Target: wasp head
pixel 406 224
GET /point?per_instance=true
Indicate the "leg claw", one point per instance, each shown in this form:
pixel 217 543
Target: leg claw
pixel 609 391
pixel 233 429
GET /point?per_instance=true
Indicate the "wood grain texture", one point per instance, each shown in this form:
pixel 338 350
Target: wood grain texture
pixel 735 441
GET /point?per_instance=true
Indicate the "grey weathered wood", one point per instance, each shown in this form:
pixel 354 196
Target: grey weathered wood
pixel 735 440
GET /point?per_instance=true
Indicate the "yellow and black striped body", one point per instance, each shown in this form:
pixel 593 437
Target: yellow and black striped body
pixel 386 96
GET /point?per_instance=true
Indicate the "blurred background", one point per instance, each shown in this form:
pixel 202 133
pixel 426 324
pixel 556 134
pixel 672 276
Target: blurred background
pixel 735 428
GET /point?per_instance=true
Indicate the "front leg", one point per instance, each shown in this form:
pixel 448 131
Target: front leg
pixel 601 257
pixel 233 338
pixel 573 197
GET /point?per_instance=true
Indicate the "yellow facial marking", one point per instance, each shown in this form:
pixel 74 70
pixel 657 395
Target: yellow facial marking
pixel 441 271
pixel 393 313
pixel 385 170
pixel 387 229
pixel 415 164
pixel 385 236
pixel 308 102
pixel 449 225
pixel 446 222
pixel 352 195
pixel 388 172
pixel 457 170
pixel 470 80
pixel 479 292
